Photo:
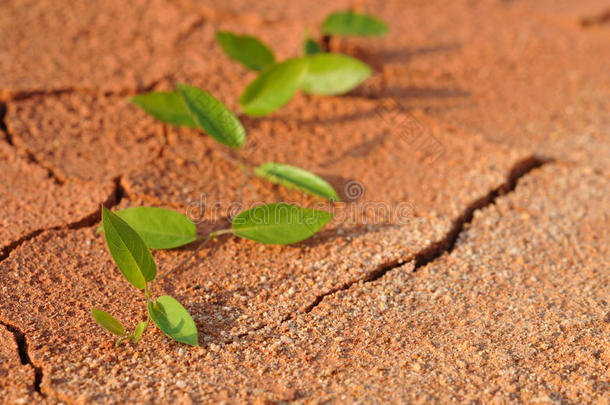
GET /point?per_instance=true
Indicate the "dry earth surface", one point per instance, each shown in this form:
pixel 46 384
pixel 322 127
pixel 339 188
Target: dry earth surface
pixel 483 135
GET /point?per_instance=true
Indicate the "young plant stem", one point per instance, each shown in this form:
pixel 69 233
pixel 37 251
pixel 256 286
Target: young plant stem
pixel 240 162
pixel 240 190
pixel 122 339
pixel 147 293
pixel 246 167
pixel 215 234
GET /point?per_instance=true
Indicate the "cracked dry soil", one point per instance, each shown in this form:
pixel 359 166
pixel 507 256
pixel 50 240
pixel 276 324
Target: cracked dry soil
pixel 494 287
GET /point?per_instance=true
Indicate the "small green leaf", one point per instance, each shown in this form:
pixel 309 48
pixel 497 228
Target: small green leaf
pixel 108 322
pixel 213 117
pixel 296 178
pixel 165 106
pixel 248 50
pixel 311 47
pixel 279 223
pixel 173 320
pixel 160 228
pixel 350 23
pixel 128 250
pixel 273 87
pixel 139 331
pixel 333 73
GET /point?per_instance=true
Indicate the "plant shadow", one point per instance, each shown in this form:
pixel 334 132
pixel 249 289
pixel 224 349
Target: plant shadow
pixel 327 236
pixel 360 150
pixel 406 54
pixel 406 98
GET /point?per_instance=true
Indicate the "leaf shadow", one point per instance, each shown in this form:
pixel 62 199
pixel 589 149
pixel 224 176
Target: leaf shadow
pixel 360 150
pixel 212 316
pixel 406 99
pixel 341 185
pixel 172 331
pixel 408 93
pixel 215 317
pixel 406 54
pixel 352 231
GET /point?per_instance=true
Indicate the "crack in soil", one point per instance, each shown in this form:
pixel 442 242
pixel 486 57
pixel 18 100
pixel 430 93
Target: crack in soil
pixel 113 200
pixel 9 138
pixel 31 157
pixel 190 30
pixel 19 95
pixel 435 250
pixel 57 179
pixel 22 348
pixel 446 244
pixel 25 94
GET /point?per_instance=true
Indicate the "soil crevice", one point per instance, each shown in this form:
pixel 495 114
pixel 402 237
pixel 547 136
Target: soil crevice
pixel 31 157
pixel 19 95
pixel 447 243
pixel 57 179
pixel 435 250
pixel 113 200
pixel 24 356
pixel 3 128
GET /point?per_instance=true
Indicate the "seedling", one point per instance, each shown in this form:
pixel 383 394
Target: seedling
pixel 131 233
pixel 314 73
pixel 277 83
pixel 311 47
pixel 319 73
pixel 193 107
pixel 136 263
pixel 248 50
pixel 351 23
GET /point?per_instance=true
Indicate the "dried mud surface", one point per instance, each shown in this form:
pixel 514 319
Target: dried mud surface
pixel 469 262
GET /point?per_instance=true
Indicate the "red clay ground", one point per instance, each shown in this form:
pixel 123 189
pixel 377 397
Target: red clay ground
pixel 487 282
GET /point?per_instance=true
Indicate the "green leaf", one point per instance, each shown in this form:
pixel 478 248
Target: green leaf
pixel 311 47
pixel 108 322
pixel 160 228
pixel 165 106
pixel 213 116
pixel 139 331
pixel 128 250
pixel 279 223
pixel 296 178
pixel 173 320
pixel 350 23
pixel 248 50
pixel 273 87
pixel 333 73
